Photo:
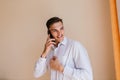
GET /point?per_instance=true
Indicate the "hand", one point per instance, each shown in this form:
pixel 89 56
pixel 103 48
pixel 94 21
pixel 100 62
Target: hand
pixel 49 43
pixel 55 64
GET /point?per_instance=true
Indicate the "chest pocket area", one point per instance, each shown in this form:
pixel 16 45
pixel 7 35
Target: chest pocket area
pixel 67 60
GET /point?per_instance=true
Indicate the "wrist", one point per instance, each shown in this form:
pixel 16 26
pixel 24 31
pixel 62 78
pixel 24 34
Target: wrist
pixel 43 55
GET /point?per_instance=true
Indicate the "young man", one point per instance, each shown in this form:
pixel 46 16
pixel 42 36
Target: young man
pixel 65 58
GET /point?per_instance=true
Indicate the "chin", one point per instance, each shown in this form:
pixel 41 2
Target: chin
pixel 61 39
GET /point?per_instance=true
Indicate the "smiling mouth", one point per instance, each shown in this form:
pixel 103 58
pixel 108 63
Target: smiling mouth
pixel 60 36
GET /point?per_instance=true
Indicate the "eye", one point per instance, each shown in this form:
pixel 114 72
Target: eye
pixel 54 30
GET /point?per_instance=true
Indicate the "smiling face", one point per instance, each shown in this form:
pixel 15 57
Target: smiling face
pixel 57 31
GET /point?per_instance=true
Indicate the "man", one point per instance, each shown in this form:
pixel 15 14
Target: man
pixel 65 58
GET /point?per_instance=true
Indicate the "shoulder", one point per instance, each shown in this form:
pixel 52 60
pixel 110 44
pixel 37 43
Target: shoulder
pixel 76 45
pixel 74 42
pixel 77 48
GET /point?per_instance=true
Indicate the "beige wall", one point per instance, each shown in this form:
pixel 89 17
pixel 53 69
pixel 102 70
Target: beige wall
pixel 23 33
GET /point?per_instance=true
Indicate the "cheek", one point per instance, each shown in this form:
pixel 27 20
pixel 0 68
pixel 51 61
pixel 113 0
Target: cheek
pixel 62 32
pixel 54 34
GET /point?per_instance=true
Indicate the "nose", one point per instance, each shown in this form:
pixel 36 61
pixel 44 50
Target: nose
pixel 59 33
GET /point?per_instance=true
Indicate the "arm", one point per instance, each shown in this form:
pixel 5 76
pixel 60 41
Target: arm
pixel 41 64
pixel 40 67
pixel 82 69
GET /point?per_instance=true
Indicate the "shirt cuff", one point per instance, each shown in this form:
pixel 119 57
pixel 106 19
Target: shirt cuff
pixel 41 59
pixel 68 71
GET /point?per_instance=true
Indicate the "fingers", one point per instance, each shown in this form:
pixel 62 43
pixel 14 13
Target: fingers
pixel 54 63
pixel 50 40
pixel 49 44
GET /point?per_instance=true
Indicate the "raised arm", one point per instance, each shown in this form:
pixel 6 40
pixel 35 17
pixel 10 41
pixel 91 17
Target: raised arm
pixel 41 64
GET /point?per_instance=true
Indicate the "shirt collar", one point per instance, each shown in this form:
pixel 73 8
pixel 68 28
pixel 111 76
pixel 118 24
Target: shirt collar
pixel 64 41
pixel 61 43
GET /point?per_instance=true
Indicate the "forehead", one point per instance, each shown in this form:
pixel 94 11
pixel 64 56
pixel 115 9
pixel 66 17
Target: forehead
pixel 56 25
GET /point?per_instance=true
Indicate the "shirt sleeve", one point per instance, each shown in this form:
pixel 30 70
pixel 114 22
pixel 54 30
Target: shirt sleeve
pixel 82 69
pixel 40 67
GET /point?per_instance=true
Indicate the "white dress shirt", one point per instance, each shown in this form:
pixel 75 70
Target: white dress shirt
pixel 73 56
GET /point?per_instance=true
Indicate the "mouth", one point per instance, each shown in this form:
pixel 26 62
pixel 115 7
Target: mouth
pixel 60 37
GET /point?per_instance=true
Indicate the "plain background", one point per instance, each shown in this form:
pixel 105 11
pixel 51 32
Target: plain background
pixel 23 33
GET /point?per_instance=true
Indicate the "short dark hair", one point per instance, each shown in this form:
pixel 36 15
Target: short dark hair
pixel 52 21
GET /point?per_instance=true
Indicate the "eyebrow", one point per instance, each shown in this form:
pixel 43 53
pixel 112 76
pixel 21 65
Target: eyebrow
pixel 60 28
